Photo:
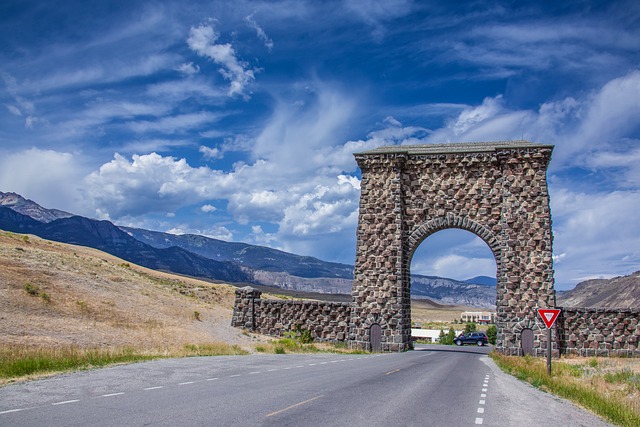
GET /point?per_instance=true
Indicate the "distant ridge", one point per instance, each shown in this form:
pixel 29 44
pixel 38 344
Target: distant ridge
pixel 106 237
pixel 618 292
pixel 231 262
pixel 482 280
pixel 30 208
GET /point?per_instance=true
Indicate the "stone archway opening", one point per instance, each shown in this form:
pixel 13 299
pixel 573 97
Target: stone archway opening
pixel 440 270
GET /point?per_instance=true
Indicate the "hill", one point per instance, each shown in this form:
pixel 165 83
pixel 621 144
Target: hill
pixel 54 294
pixel 200 256
pixel 482 280
pixel 105 236
pixel 618 292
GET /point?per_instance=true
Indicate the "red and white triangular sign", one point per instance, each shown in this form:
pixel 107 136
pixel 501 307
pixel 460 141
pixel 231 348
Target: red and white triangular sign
pixel 549 316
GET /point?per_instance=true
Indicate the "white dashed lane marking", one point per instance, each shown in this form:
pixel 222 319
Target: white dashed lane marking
pixel 65 402
pixel 482 401
pixel 9 411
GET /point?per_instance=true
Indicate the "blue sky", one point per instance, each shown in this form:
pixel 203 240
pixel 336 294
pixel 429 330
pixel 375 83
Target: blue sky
pixel 238 119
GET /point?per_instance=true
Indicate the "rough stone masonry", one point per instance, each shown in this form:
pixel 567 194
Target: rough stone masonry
pixel 496 190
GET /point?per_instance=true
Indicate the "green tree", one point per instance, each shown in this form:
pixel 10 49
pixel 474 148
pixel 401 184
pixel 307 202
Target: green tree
pixel 492 333
pixel 442 337
pixel 470 327
pixel 451 336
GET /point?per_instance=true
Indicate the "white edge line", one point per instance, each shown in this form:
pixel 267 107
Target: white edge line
pixel 65 402
pixel 11 410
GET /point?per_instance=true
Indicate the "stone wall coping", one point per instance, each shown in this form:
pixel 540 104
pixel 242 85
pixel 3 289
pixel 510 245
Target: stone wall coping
pixel 599 310
pixel 454 147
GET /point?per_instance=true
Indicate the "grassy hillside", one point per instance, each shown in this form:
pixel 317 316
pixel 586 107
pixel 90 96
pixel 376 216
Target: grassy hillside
pixel 59 295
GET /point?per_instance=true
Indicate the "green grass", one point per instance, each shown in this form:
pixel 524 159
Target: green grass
pixel 20 361
pixel 565 382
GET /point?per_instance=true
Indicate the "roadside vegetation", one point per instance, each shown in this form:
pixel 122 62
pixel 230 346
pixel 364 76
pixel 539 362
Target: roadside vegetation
pixel 609 387
pixel 22 362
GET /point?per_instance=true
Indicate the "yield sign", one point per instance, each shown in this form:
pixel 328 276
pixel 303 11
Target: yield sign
pixel 549 316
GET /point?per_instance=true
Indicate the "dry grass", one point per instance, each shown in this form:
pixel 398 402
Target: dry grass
pixel 610 387
pixel 22 362
pixel 93 300
pixel 435 316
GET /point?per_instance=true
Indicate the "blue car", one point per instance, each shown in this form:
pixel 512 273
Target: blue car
pixel 477 338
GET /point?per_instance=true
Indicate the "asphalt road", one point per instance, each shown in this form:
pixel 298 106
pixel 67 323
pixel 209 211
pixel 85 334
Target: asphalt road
pixel 432 386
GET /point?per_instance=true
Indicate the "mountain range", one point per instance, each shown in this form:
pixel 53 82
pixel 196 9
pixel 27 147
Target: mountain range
pixel 617 292
pixel 232 262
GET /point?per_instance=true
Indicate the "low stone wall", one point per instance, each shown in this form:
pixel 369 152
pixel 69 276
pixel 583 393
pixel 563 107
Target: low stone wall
pixel 327 321
pixel 599 332
pixel 579 331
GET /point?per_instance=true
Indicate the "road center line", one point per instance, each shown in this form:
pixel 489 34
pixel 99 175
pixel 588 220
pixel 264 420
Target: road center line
pixel 294 406
pixel 65 402
pixel 154 388
pixel 392 372
pixel 112 394
pixel 211 379
pixel 234 376
pixel 187 382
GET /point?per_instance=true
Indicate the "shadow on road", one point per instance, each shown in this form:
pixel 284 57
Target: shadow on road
pixel 454 349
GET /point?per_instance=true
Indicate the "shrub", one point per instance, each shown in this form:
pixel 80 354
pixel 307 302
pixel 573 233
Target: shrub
pixel 196 315
pixel 492 334
pixel 33 290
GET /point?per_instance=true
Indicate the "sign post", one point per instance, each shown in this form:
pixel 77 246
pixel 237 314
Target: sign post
pixel 549 316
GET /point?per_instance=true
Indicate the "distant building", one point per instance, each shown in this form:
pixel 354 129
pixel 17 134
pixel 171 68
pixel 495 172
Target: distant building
pixel 428 335
pixel 482 317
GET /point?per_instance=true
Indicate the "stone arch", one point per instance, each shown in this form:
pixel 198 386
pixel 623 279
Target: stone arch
pixel 496 190
pixel 420 233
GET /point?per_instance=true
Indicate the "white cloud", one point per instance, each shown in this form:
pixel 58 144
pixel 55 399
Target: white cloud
pixel 149 183
pixel 50 178
pixel 210 153
pixel 208 208
pixel 595 234
pixel 174 124
pixel 202 40
pixel 13 110
pixel 188 69
pixel 220 233
pixel 268 43
pixel 456 267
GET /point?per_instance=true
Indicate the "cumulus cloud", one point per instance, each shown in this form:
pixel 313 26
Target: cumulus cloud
pixel 202 40
pixel 51 178
pixel 208 208
pixel 148 183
